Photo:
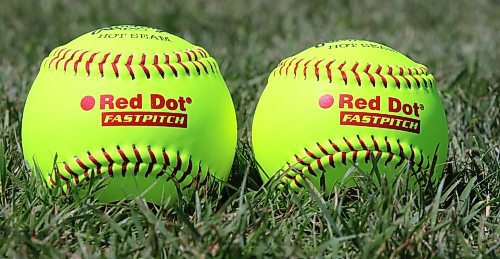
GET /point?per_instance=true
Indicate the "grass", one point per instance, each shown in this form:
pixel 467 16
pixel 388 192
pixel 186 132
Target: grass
pixel 458 217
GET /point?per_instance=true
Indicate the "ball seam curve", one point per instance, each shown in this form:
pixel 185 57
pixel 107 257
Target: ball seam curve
pixel 190 62
pixel 87 170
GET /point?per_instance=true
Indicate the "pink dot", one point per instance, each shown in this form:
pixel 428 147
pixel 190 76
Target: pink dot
pixel 87 103
pixel 326 101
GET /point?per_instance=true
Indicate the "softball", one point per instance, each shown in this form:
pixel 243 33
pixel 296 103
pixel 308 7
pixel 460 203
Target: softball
pixel 142 108
pixel 346 103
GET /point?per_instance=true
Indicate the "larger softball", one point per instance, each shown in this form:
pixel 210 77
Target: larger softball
pixel 147 111
pixel 347 103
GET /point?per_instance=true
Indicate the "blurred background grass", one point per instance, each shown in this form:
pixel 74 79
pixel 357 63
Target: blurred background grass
pixel 457 40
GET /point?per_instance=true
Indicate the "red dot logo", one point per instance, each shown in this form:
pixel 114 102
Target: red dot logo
pixel 87 103
pixel 326 101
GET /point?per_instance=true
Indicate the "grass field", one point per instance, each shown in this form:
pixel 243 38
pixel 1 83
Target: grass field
pixel 458 217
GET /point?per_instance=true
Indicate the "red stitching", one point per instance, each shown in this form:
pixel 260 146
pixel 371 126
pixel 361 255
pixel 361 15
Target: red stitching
pixel 297 183
pixel 354 155
pixel 401 155
pixel 402 159
pixel 139 159
pixel 87 64
pixel 401 152
pixel 296 67
pixel 294 178
pixel 155 64
pixel 125 160
pixel 396 80
pixel 283 70
pixel 375 144
pixel 372 79
pixel 75 66
pixel 194 54
pixel 204 53
pixel 198 59
pixel 334 146
pixel 179 61
pixel 412 155
pixel 63 57
pixel 52 181
pixel 129 67
pixel 201 53
pixel 167 62
pixel 280 67
pixel 316 69
pixel 329 71
pixel 310 170
pixel 177 166
pixel 96 163
pixel 389 159
pixel 86 168
pixel 101 64
pixel 305 68
pixel 344 75
pixel 110 162
pixel 310 154
pixel 388 145
pixel 153 161
pixel 362 143
pixel 56 56
pixel 203 65
pixel 198 71
pixel 417 81
pixel 166 159
pixel 113 65
pixel 348 144
pixel 384 81
pixel 166 163
pixel 300 160
pixel 144 68
pixel 70 58
pixel 289 64
pixel 68 169
pixel 190 60
pixel 401 73
pixel 354 152
pixel 356 75
pixel 322 148
pixel 367 156
pixel 62 177
pixel 187 172
pixel 331 161
pixel 320 165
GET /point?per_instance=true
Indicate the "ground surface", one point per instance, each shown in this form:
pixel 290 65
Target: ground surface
pixel 457 40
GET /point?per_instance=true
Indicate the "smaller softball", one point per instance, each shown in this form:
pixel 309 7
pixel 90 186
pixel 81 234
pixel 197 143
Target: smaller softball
pixel 346 103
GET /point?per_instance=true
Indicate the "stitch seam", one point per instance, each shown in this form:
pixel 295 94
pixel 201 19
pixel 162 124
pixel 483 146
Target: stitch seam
pixel 411 77
pixel 190 62
pixel 83 169
pixel 307 167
